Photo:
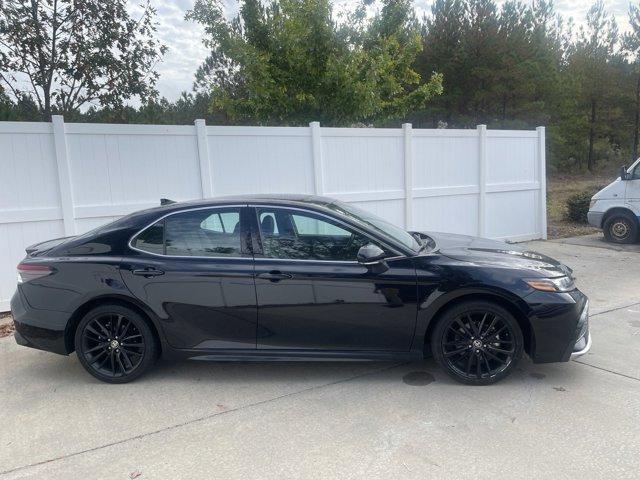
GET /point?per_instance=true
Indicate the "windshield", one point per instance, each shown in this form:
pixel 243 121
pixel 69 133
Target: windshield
pixel 381 226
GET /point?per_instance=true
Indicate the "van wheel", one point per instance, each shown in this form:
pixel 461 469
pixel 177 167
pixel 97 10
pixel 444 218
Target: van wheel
pixel 621 228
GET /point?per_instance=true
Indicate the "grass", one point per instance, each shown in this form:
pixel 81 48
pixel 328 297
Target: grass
pixel 559 189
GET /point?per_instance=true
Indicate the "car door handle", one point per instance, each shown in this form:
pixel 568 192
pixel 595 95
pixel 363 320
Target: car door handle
pixel 275 276
pixel 147 272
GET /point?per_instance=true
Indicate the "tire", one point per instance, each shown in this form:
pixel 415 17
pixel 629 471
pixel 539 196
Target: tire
pixel 102 351
pixel 470 359
pixel 620 228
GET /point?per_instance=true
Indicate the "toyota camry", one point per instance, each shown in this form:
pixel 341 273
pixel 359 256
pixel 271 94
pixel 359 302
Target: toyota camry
pixel 285 277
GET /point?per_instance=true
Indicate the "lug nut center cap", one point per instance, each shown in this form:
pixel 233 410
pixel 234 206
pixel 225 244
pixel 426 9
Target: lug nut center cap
pixel 114 344
pixel 477 343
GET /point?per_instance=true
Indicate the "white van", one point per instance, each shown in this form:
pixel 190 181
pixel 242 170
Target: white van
pixel 616 208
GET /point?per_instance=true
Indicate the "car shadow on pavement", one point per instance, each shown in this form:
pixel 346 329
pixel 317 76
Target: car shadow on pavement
pixel 58 369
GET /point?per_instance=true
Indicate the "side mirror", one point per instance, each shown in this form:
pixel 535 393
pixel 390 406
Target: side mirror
pixel 371 255
pixel 623 173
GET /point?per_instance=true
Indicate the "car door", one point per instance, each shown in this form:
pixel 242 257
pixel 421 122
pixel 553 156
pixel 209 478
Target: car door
pixel 194 269
pixel 313 294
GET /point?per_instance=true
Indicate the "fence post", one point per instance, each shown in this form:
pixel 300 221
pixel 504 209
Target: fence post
pixel 316 152
pixel 408 175
pixel 206 181
pixel 482 179
pixel 64 174
pixel 542 159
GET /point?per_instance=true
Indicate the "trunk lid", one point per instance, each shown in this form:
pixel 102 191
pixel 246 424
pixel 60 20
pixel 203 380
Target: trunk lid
pixel 39 249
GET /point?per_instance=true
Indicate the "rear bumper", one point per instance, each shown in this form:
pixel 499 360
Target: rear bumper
pixel 41 329
pixel 595 219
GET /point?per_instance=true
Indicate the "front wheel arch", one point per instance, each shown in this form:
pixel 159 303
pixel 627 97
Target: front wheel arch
pixel 512 308
pixel 617 210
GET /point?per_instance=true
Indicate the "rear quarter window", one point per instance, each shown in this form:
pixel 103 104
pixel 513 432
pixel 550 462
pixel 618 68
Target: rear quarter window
pixel 151 240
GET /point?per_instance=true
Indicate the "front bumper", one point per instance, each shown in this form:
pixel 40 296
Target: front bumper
pixel 595 219
pixel 559 323
pixel 583 335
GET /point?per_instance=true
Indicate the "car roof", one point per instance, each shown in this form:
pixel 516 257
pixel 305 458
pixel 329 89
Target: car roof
pixel 274 198
pixel 141 217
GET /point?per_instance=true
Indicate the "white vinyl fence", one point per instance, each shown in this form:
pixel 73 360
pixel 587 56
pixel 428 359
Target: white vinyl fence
pixel 60 179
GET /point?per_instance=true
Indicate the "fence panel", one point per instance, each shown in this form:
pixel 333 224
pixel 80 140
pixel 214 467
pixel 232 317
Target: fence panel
pixel 62 179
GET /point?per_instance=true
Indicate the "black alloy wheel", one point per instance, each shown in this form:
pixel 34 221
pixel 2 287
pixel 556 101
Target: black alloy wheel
pixel 477 342
pixel 115 344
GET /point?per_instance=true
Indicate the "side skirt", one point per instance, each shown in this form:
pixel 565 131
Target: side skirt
pixel 253 355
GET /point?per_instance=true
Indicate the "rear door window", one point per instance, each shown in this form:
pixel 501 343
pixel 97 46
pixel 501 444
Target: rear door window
pixel 204 233
pixel 195 233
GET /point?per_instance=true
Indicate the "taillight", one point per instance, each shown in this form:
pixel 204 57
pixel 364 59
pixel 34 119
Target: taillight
pixel 31 271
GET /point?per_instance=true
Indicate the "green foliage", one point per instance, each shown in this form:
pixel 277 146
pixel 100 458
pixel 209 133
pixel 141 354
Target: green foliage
pixel 578 205
pixel 521 65
pixel 289 62
pixel 512 64
pixel 72 53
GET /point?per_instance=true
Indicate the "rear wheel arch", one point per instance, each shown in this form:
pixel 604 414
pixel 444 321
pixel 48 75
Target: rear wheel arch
pixel 512 307
pixel 82 310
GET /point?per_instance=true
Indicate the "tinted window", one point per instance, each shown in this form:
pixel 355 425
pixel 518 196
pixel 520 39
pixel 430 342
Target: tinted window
pixel 225 222
pixel 372 221
pixel 151 240
pixel 292 234
pixel 204 233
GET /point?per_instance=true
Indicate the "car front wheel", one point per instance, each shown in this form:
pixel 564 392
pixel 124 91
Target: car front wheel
pixel 477 342
pixel 115 344
pixel 621 228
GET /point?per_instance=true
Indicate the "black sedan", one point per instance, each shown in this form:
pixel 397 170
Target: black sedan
pixel 293 278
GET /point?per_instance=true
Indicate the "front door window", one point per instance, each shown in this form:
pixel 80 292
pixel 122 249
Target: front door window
pixel 298 235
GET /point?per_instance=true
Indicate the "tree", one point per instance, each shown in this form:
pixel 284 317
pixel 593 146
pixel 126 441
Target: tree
pixel 632 47
pixel 443 38
pixel 592 61
pixel 289 62
pixel 71 53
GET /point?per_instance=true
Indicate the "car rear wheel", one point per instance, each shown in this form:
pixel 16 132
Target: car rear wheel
pixel 115 344
pixel 621 228
pixel 477 342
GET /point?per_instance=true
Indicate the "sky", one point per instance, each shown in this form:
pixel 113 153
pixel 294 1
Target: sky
pixel 186 51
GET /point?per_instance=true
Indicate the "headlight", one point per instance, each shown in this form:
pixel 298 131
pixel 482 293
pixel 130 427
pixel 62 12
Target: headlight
pixel 592 203
pixel 559 284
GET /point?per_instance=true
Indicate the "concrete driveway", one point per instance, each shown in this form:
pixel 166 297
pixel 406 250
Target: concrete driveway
pixel 341 420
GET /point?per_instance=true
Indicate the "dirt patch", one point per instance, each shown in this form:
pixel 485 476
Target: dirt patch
pixel 6 325
pixel 559 189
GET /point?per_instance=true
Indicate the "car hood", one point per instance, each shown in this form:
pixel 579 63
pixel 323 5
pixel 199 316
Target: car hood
pixel 482 251
pixel 614 190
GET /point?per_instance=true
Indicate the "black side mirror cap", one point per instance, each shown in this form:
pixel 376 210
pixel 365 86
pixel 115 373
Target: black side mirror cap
pixel 370 254
pixel 372 257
